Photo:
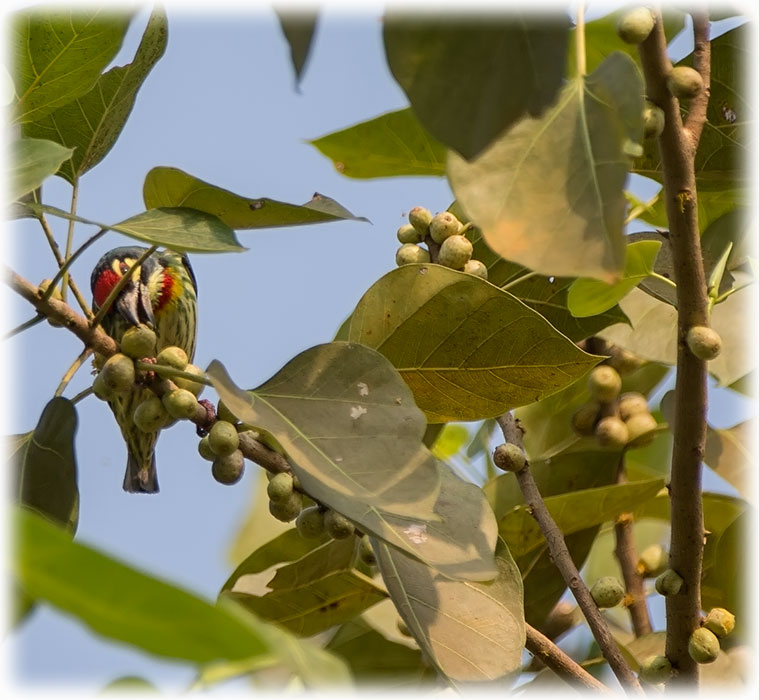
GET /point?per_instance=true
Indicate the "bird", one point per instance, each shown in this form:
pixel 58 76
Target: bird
pixel 161 293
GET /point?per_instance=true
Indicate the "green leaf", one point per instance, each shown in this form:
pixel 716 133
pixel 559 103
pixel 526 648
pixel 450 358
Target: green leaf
pixel 469 631
pixel 469 78
pixel 729 454
pixel 352 433
pixel 451 439
pixel 58 55
pixel 91 123
pixel 130 684
pixel 373 658
pixel 312 594
pixel 391 145
pixel 725 570
pixel 549 193
pixel 45 464
pixel 298 27
pixel 171 187
pixel 589 297
pixel 181 229
pixel 575 511
pixel 31 161
pixel 724 145
pixel 467 349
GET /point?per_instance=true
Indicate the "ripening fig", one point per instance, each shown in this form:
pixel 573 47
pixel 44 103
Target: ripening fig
pixel 476 268
pixel 204 449
pixel 310 523
pixel 99 388
pixel 420 218
pixel 288 510
pixel 631 403
pixel 229 469
pixel 653 120
pixel 685 82
pixel 408 234
pixel 623 360
pixel 668 583
pixel 653 561
pixel 337 526
pixel 455 252
pixel 656 669
pixel 195 387
pixel 138 342
pixel 604 383
pixel 444 225
pixel 703 646
pixel 585 418
pixel 173 356
pixel 704 342
pixel 410 253
pixel 509 457
pixel 150 415
pixel 720 621
pixel 118 373
pixel 611 432
pixel 366 551
pixel 180 404
pixel 634 26
pixel 607 592
pixel 223 438
pixel 280 487
pixel 640 429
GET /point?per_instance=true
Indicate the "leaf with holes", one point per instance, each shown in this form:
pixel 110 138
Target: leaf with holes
pixel 391 145
pixel 549 193
pixel 467 349
pixel 171 187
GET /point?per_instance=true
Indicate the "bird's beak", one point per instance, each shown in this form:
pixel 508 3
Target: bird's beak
pixel 134 304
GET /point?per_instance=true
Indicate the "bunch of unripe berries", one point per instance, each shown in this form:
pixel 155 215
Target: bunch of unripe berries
pixel 615 420
pixel 446 231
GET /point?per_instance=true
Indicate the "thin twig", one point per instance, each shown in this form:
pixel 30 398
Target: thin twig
pixel 67 264
pixel 563 561
pixel 560 663
pixel 71 371
pixel 518 280
pixel 677 148
pixel 26 324
pixel 103 310
pixel 70 233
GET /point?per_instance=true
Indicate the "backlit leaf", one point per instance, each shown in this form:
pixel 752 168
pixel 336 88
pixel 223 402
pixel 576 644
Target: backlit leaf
pixel 387 146
pixel 470 631
pixel 469 77
pixel 31 161
pixel 298 26
pixel 549 193
pixel 467 349
pixel 729 453
pixel 171 187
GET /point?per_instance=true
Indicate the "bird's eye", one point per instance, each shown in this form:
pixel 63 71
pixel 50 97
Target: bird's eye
pixel 123 268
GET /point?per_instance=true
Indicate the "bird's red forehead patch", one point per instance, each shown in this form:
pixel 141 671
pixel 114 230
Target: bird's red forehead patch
pixel 105 283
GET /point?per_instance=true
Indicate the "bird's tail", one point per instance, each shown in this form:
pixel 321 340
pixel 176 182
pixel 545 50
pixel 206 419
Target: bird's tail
pixel 140 477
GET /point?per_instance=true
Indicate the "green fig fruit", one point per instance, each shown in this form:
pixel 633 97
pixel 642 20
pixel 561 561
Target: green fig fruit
pixel 634 26
pixel 509 457
pixel 611 432
pixel 410 253
pixel 668 583
pixel 653 120
pixel 420 218
pixel 180 404
pixel 138 342
pixel 204 449
pixel 150 415
pixel 476 268
pixel 704 342
pixel 455 252
pixel 229 469
pixel 118 373
pixel 195 387
pixel 408 234
pixel 604 383
pixel 656 669
pixel 223 438
pixel 173 356
pixel 310 523
pixel 607 592
pixel 703 646
pixel 720 621
pixel 280 487
pixel 585 418
pixel 684 82
pixel 653 561
pixel 640 429
pixel 337 526
pixel 444 225
pixel 631 403
pixel 287 511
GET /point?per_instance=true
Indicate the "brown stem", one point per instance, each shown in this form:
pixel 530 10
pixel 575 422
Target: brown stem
pixel 562 559
pixel 560 663
pixel 677 148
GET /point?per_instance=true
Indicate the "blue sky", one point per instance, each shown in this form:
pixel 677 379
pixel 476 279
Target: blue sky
pixel 220 105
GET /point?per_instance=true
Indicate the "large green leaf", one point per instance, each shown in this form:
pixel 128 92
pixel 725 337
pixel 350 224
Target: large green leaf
pixel 31 161
pixel 126 605
pixel 470 631
pixel 171 187
pixel 549 193
pixel 318 591
pixel 468 78
pixel 182 229
pixel 729 454
pixel 298 27
pixel 724 146
pixel 575 511
pixel 92 123
pixel 589 297
pixel 387 146
pixel 58 55
pixel 352 434
pixel 467 349
pixel 45 464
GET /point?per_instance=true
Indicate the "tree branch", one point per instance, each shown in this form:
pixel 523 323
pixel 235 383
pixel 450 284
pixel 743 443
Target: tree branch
pixel 677 148
pixel 560 663
pixel 562 559
pixel 702 55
